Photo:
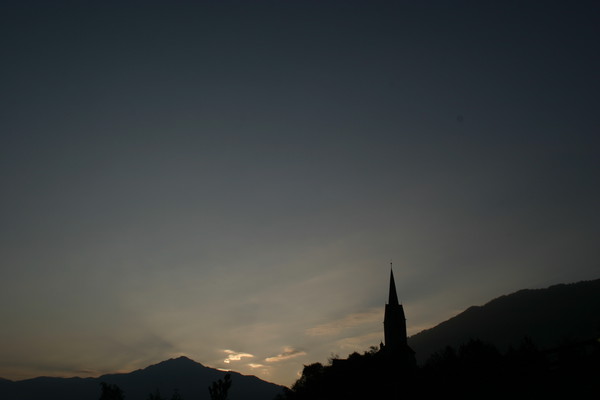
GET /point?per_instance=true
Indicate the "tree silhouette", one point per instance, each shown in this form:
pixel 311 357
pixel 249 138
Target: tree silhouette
pixel 218 390
pixel 156 396
pixel 111 392
pixel 310 381
pixel 176 395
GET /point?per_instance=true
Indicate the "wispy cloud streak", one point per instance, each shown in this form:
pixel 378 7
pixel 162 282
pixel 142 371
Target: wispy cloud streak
pixel 288 352
pixel 350 321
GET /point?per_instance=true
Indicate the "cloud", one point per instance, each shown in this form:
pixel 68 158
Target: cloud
pixel 235 356
pixel 254 366
pixel 288 352
pixel 347 322
pixel 360 342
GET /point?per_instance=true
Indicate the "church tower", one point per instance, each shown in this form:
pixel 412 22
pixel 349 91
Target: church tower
pixel 394 330
pixel 394 322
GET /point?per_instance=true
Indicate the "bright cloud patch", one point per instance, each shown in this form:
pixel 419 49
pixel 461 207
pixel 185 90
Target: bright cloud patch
pixel 347 322
pixel 288 352
pixel 235 356
pixel 254 366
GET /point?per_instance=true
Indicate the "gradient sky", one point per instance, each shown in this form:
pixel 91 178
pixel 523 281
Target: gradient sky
pixel 229 180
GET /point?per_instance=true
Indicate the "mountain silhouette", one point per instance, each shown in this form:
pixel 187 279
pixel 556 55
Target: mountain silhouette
pixel 189 378
pixel 551 317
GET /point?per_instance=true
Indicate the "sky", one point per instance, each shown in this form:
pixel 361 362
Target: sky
pixel 230 180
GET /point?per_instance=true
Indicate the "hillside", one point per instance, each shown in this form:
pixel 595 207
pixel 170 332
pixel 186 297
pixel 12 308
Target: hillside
pixel 550 317
pixel 190 378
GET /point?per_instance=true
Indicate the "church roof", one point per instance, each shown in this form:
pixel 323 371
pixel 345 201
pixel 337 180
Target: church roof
pixel 393 299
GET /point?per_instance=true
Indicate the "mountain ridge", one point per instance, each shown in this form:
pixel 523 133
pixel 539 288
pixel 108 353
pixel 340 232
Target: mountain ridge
pixel 190 378
pixel 548 316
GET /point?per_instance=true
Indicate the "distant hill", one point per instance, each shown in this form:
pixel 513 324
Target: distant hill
pixel 190 378
pixel 549 317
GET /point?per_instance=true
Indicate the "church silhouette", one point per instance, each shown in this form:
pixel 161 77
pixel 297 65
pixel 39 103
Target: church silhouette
pixel 394 330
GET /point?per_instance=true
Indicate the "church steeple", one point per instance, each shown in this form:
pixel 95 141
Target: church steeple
pixel 393 297
pixel 394 329
pixel 394 322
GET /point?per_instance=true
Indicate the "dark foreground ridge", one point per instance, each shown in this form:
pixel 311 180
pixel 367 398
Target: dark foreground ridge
pixel 476 370
pixel 182 375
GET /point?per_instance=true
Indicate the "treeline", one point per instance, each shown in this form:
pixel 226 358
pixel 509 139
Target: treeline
pixel 218 391
pixel 114 392
pixel 474 370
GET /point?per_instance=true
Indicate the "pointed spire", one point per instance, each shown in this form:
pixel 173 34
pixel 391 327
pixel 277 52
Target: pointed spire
pixel 393 295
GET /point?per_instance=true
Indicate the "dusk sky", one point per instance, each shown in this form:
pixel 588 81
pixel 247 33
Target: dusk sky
pixel 230 180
